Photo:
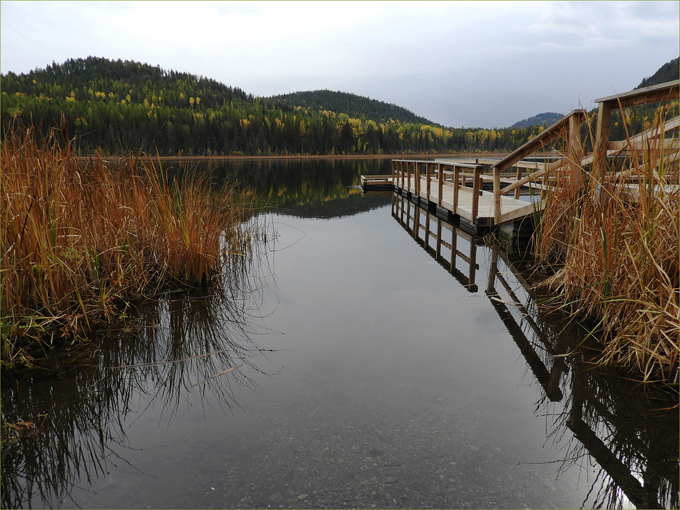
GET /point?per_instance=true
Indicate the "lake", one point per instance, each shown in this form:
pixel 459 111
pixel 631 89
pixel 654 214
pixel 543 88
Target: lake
pixel 353 365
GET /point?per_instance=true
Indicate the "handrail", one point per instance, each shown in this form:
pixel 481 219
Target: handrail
pixel 437 174
pixel 570 123
pixel 662 92
pixel 569 127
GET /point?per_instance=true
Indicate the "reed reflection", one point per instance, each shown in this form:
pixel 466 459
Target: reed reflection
pixel 186 347
pixel 629 430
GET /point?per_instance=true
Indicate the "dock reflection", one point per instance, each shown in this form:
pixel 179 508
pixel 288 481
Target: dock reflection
pixel 630 430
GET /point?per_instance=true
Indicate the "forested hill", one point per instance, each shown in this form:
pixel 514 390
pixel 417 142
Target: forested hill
pixel 119 107
pixel 542 119
pixel 670 71
pixel 121 79
pixel 115 107
pixel 351 104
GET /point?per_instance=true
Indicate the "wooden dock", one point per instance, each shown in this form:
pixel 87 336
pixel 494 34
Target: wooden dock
pixel 485 194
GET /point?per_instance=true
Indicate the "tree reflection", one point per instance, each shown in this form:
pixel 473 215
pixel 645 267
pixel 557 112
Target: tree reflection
pixel 308 188
pixel 628 429
pixel 169 353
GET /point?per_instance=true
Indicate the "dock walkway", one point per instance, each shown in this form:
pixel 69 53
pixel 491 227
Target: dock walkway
pixel 461 189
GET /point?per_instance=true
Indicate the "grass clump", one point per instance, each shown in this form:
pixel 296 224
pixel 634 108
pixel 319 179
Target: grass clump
pixel 614 246
pixel 80 241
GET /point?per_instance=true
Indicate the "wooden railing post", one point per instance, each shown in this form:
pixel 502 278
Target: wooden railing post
pixel 416 178
pixel 476 186
pixel 497 195
pixel 456 188
pixel 440 190
pixel 408 176
pixel 575 152
pixel 601 139
pixel 519 176
pixel 428 176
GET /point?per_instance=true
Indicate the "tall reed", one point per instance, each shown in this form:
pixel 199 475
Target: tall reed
pixel 81 241
pixel 614 244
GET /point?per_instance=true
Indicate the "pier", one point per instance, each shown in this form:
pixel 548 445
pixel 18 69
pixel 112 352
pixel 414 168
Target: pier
pixel 502 193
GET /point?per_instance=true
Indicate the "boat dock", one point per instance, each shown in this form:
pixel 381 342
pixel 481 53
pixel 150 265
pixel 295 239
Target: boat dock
pixel 485 194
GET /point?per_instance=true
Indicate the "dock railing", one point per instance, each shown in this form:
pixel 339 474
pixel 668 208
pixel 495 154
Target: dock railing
pixel 568 128
pixel 413 175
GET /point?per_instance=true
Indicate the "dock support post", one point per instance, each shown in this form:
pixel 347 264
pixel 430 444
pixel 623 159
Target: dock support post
pixel 428 175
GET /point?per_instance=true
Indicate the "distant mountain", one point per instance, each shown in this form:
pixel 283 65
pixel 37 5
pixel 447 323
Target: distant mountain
pixel 351 104
pixel 542 119
pixel 668 72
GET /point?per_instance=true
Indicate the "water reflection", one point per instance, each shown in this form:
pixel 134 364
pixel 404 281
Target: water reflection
pixel 176 351
pixel 307 188
pixel 629 430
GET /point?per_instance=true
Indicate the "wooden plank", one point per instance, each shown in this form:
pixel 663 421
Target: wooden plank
pixel 671 144
pixel 522 212
pixel 661 92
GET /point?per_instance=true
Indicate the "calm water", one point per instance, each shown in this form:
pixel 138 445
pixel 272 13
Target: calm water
pixel 371 373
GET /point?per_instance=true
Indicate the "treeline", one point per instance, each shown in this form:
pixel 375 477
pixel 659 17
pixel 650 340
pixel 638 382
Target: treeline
pixel 116 107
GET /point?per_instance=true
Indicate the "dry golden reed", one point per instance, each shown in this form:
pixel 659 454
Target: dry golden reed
pixel 81 240
pixel 615 246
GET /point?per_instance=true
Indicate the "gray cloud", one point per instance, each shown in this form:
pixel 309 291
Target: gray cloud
pixel 458 63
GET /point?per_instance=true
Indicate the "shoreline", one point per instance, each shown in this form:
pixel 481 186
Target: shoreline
pixel 357 157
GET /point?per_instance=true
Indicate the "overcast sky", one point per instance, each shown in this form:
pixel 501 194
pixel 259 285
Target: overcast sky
pixel 471 64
